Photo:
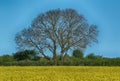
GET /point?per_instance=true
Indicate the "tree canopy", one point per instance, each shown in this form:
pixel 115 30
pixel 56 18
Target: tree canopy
pixel 57 31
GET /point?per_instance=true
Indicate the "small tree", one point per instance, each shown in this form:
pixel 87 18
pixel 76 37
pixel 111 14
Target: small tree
pixel 78 54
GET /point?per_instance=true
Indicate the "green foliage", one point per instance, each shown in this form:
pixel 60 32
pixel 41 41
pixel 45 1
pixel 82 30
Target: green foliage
pixel 25 55
pixel 33 60
pixel 22 63
pixel 66 58
pixel 93 56
pixel 78 54
pixel 6 58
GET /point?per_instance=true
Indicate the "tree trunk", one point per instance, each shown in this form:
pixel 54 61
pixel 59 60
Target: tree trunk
pixel 54 53
pixel 62 56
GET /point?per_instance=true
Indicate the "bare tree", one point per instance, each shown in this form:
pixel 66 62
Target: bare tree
pixel 57 31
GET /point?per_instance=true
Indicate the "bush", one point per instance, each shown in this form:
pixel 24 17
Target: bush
pixel 78 54
pixel 6 58
pixel 25 55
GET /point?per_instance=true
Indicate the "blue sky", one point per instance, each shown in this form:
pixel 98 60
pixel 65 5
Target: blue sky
pixel 18 14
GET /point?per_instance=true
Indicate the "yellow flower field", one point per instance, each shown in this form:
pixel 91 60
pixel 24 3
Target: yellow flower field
pixel 59 73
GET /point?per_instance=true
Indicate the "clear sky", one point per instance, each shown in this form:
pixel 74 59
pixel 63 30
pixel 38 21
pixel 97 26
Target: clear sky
pixel 18 14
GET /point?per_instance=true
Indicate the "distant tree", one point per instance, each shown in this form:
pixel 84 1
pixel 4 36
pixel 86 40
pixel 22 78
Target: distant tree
pixel 25 55
pixel 78 54
pixel 57 30
pixel 93 56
